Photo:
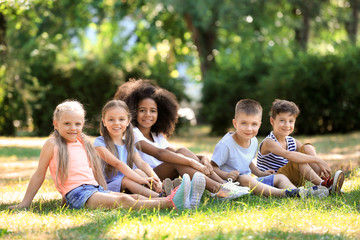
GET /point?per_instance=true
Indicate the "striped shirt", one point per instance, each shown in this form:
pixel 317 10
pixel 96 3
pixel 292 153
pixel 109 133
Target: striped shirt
pixel 273 161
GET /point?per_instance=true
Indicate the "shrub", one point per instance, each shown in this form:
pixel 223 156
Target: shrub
pixel 326 89
pixel 89 82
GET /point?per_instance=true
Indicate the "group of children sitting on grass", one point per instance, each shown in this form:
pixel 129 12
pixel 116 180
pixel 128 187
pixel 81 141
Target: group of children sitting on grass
pixel 132 165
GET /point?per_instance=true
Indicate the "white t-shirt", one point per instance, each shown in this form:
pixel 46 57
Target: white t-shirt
pixel 230 156
pixel 159 141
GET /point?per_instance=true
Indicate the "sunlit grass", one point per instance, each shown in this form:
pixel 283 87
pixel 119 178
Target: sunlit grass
pixel 250 217
pixel 18 152
pixel 334 217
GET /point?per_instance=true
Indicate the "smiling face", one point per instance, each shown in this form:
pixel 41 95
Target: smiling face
pixel 283 124
pixel 116 120
pixel 147 114
pixel 70 125
pixel 247 126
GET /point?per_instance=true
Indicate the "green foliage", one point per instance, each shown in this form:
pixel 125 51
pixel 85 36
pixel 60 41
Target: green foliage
pixel 326 88
pixel 89 82
pixel 240 49
pixel 224 89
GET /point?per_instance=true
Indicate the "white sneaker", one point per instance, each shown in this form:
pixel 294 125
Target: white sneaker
pixel 338 182
pixel 197 189
pixel 230 190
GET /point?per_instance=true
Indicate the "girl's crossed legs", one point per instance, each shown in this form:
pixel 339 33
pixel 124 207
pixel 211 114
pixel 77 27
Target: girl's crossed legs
pixel 168 170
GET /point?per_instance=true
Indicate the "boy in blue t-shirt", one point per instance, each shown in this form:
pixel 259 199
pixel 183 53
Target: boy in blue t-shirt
pixel 233 155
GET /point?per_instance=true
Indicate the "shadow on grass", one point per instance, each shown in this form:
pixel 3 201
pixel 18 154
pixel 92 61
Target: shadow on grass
pixel 272 234
pixel 40 207
pixel 3 232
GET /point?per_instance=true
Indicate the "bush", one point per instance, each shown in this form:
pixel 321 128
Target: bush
pixel 89 82
pixel 223 89
pixel 326 89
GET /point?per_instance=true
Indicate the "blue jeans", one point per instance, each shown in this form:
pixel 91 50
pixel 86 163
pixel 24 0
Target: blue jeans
pixel 77 197
pixel 268 180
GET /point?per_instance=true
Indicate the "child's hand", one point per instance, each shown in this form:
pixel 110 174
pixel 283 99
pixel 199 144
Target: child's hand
pixel 205 161
pixel 157 185
pixel 324 168
pixel 63 202
pixel 209 167
pixel 201 168
pixel 269 172
pixel 233 175
pixel 13 207
pixel 145 181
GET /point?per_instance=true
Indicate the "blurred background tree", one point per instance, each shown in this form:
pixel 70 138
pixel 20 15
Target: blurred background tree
pixel 304 51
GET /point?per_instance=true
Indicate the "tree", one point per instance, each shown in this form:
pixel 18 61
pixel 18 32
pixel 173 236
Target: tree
pixel 353 22
pixel 306 10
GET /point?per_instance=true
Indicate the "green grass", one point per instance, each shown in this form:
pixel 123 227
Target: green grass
pixel 250 217
pixel 19 152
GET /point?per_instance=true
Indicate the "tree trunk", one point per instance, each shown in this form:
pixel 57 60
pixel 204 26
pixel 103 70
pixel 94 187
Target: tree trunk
pixel 204 40
pixel 302 32
pixel 352 25
pixel 2 37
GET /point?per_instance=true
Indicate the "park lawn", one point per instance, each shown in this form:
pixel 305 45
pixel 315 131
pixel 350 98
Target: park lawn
pixel 251 217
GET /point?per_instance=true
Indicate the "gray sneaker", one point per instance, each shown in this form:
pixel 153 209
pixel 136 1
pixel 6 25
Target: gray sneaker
pixel 197 189
pixel 315 191
pixel 168 186
pixel 176 182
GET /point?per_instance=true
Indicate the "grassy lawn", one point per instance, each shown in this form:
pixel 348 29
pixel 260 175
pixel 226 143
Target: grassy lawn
pixel 250 217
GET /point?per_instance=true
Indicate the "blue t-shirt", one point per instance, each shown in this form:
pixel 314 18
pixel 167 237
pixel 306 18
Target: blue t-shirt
pixel 100 142
pixel 230 156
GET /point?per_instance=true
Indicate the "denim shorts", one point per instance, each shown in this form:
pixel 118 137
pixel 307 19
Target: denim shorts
pixel 77 197
pixel 268 180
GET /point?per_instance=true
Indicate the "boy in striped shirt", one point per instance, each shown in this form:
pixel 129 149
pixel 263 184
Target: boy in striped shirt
pixel 287 156
pixel 233 155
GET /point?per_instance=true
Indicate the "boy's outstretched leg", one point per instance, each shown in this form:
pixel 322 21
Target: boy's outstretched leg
pixel 282 182
pixel 259 188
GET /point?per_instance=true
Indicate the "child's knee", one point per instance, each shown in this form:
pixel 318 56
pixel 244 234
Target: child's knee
pixel 244 179
pixel 304 166
pixel 307 148
pixel 125 201
pixel 280 176
pixel 125 183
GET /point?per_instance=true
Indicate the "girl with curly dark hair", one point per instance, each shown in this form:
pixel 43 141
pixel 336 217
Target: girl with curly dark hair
pixel 154 115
